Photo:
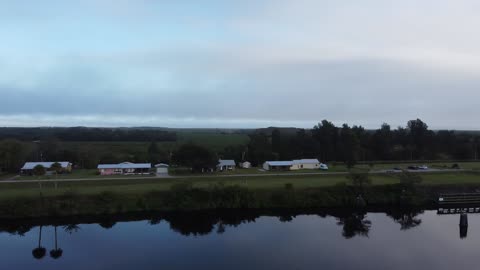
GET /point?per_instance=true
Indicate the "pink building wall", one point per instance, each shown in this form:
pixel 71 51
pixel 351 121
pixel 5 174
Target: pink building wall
pixel 107 171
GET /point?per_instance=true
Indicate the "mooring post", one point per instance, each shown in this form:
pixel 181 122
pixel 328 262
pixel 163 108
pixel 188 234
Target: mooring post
pixel 463 225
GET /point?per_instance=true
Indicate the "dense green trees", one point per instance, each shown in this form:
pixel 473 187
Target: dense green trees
pixel 325 141
pixel 82 134
pixel 196 157
pixel 157 155
pixel 12 155
pixel 328 142
pixel 39 170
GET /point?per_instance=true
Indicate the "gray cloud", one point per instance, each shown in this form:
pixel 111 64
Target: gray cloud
pixel 220 64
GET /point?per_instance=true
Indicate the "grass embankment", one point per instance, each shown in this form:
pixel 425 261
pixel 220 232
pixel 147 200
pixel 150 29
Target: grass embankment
pixel 20 200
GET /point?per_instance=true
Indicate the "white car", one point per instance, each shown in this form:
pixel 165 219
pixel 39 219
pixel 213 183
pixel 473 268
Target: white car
pixel 423 167
pixel 323 167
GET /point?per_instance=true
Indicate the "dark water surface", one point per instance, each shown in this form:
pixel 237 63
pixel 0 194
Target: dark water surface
pixel 346 240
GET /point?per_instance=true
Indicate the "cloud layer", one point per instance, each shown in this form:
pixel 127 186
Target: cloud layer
pixel 248 64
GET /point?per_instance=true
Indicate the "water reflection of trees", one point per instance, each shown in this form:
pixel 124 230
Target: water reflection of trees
pixel 407 218
pixel 39 252
pixel 57 252
pixel 198 223
pixel 354 224
pixel 71 228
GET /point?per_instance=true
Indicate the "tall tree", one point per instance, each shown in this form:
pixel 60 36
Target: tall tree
pixel 39 170
pixel 327 135
pixel 419 135
pixel 194 156
pixel 155 154
pixel 12 155
pixel 382 143
pixel 260 148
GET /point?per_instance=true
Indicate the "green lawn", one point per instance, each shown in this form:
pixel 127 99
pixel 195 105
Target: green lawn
pixel 142 185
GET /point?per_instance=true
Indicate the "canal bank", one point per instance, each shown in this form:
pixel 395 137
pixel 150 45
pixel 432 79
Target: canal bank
pixel 185 196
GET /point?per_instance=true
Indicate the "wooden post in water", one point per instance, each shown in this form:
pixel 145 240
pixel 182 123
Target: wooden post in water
pixel 463 225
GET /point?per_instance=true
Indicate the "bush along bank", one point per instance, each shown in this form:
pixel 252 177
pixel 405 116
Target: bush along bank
pixel 184 196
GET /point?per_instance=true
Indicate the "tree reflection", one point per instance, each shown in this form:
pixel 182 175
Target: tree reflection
pixel 355 224
pixel 193 224
pixel 285 218
pixel 405 217
pixel 107 224
pixel 71 228
pixel 57 252
pixel 39 252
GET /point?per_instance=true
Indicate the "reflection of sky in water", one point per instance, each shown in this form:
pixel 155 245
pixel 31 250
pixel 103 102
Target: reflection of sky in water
pixel 307 242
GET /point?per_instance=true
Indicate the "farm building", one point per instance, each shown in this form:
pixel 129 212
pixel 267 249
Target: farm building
pixel 226 165
pixel 298 164
pixel 124 168
pixel 245 165
pixel 301 164
pixel 277 165
pixel 29 166
pixel 161 169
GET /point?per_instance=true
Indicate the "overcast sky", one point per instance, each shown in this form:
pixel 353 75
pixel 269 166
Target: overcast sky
pixel 245 63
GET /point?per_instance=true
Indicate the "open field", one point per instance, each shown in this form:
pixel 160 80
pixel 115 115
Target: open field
pixel 143 185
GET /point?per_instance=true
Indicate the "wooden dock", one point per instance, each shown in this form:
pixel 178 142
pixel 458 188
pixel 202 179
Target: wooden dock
pixel 458 210
pixel 459 199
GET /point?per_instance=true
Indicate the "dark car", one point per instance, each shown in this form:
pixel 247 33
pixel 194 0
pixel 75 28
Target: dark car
pixel 413 167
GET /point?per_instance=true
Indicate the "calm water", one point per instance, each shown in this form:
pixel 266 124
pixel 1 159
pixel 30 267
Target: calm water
pixel 397 240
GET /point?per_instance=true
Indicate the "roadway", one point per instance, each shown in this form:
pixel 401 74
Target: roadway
pixel 18 181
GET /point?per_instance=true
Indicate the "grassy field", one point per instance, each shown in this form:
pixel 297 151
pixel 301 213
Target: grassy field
pixel 142 185
pixel 214 141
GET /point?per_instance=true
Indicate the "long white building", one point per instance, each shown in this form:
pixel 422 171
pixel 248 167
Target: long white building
pixel 298 164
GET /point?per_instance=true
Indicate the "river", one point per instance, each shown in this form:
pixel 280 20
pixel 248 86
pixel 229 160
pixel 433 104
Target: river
pixel 204 240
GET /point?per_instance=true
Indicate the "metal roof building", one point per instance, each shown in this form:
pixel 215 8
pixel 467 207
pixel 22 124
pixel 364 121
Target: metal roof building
pixel 125 165
pixel 46 165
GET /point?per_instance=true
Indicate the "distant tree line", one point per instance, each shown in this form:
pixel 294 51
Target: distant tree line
pixel 327 142
pixel 351 144
pixel 84 134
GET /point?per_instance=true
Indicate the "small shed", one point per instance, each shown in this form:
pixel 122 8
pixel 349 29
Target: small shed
pixel 226 165
pixel 161 168
pixel 245 165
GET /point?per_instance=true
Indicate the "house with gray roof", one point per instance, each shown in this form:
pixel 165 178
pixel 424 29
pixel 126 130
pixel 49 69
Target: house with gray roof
pixel 298 164
pixel 277 165
pixel 29 166
pixel 125 168
pixel 226 165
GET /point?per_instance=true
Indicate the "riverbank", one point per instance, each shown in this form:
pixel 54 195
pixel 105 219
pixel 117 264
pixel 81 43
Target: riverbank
pixel 33 200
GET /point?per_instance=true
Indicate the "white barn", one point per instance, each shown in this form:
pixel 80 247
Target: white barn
pixel 277 165
pixel 305 164
pixel 298 164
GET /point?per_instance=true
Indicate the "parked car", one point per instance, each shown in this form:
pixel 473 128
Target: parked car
pixel 323 167
pixel 413 167
pixel 423 167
